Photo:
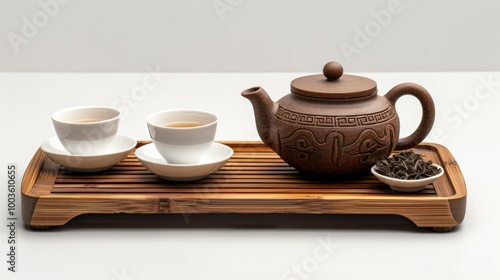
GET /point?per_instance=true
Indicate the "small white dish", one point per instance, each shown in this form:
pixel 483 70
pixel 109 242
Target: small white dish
pixel 119 149
pixel 401 185
pixel 151 159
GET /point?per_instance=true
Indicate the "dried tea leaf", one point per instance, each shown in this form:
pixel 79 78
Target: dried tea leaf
pixel 406 165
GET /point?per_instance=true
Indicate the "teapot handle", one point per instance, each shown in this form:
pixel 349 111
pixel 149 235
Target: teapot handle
pixel 428 112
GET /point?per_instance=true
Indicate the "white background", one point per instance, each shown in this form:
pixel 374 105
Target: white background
pixel 220 247
pixel 449 47
pixel 248 36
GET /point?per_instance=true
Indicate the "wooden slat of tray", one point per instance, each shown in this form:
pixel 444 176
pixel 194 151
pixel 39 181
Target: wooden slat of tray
pixel 255 180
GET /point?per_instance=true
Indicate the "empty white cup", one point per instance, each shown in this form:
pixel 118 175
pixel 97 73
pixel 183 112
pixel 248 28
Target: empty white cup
pixel 182 136
pixel 86 130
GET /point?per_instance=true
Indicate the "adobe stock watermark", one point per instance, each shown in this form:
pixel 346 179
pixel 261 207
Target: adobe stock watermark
pixel 208 190
pixel 225 6
pixel 96 137
pixel 131 100
pixel 32 26
pixel 363 36
pixel 324 249
pixel 455 116
pixel 122 275
pixel 125 103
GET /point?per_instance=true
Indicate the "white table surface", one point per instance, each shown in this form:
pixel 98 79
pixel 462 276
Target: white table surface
pixel 254 247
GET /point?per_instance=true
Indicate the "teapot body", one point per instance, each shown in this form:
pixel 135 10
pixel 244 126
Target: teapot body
pixel 334 137
pixel 335 124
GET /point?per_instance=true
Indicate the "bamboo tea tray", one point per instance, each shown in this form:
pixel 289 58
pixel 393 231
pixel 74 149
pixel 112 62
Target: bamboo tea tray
pixel 254 180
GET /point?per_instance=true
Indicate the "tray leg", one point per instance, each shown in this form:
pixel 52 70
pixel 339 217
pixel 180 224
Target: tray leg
pixel 34 227
pixel 441 229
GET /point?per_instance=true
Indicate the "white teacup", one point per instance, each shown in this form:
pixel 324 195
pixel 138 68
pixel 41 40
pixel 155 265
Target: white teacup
pixel 182 136
pixel 86 130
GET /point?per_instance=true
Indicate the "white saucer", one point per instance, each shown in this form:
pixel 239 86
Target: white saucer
pixel 121 147
pixel 401 185
pixel 218 155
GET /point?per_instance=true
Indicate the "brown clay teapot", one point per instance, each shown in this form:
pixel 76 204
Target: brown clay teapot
pixel 335 124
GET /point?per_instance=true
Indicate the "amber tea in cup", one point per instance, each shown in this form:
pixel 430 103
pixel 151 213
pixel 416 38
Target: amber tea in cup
pixel 183 124
pixel 87 120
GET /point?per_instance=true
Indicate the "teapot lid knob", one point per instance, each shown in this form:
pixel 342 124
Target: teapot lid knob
pixel 333 70
pixel 336 85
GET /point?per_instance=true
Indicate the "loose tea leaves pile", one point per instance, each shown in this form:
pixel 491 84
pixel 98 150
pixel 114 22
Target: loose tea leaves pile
pixel 406 165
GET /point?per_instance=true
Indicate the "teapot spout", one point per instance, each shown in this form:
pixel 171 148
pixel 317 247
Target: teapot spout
pixel 264 110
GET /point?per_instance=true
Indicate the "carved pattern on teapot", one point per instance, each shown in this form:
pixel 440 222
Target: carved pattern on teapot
pixel 302 145
pixel 335 121
pixel 370 146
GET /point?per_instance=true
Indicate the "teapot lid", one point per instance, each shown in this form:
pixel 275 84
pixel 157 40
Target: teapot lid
pixel 334 85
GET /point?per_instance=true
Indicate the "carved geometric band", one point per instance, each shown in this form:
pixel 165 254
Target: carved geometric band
pixel 335 121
